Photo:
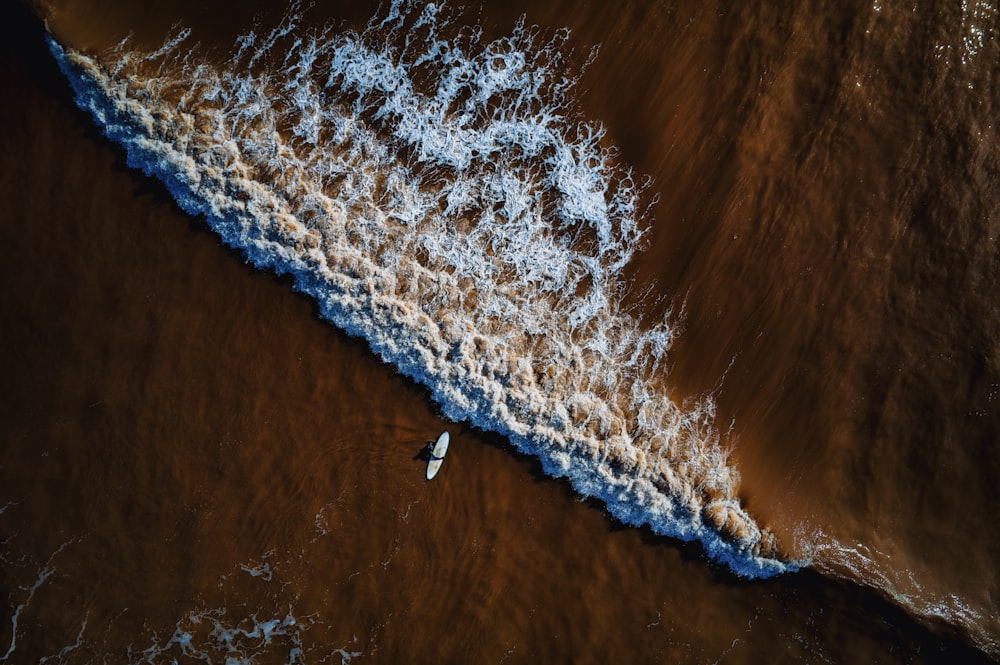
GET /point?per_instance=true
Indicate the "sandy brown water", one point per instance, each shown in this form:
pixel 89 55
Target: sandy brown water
pixel 183 436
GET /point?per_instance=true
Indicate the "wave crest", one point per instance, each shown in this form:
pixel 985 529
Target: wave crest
pixel 438 195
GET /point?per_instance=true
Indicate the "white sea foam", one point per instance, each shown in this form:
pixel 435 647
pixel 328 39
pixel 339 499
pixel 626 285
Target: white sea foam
pixel 213 636
pixel 43 575
pixel 866 565
pixel 437 196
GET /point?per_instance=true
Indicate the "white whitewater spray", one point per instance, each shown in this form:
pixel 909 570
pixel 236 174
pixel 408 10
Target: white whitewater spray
pixel 437 196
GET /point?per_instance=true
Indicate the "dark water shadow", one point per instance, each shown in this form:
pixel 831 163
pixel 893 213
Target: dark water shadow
pixel 928 641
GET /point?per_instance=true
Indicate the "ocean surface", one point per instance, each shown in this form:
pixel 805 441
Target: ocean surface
pixel 705 296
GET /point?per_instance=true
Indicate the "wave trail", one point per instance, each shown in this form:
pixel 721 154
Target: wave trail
pixel 437 195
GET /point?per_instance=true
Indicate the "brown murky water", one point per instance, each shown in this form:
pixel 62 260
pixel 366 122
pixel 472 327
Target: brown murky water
pixel 196 467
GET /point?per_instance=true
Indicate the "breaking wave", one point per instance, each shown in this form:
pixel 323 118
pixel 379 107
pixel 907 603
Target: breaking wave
pixel 438 196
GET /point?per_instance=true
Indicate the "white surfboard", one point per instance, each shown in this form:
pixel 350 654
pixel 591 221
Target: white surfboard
pixel 437 455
